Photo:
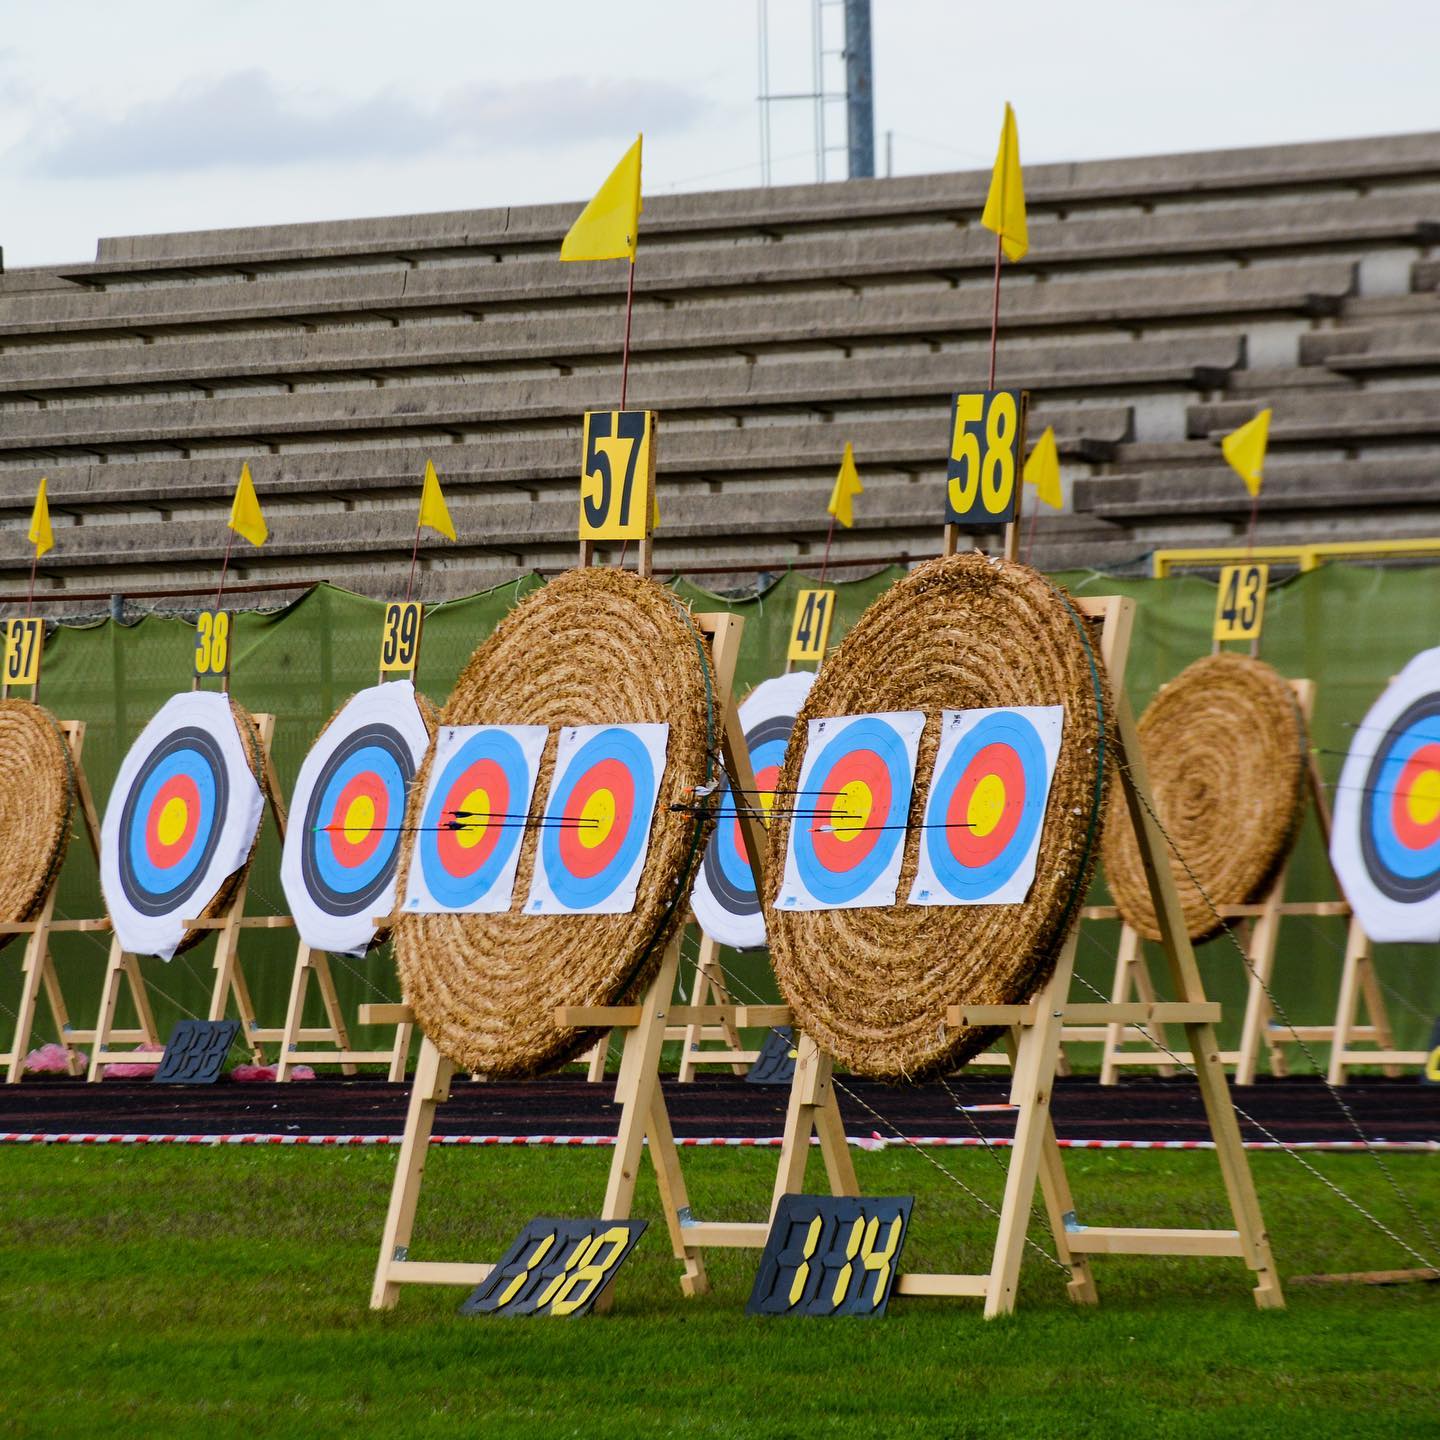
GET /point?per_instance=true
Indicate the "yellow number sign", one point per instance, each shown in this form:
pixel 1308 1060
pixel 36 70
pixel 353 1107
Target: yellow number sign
pixel 400 637
pixel 617 476
pixel 810 629
pixel 24 640
pixel 556 1267
pixel 212 643
pixel 987 443
pixel 1240 602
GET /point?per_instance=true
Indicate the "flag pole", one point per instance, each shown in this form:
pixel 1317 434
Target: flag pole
pixel 995 313
pixel 625 354
pixel 224 566
pixel 414 556
pixel 30 599
pixel 825 559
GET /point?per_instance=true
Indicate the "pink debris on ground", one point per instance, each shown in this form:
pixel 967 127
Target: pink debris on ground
pixel 250 1074
pixel 52 1059
pixel 135 1070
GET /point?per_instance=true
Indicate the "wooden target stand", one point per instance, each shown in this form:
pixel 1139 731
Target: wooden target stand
pixel 230 980
pixel 402 659
pixel 644 1117
pixel 38 972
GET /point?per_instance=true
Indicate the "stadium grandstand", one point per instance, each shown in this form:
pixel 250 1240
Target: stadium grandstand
pixel 1163 302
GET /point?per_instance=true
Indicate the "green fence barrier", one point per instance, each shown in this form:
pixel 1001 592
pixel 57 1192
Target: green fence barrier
pixel 1349 628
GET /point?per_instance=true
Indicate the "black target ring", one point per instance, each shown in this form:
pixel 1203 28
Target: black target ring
pixel 1378 839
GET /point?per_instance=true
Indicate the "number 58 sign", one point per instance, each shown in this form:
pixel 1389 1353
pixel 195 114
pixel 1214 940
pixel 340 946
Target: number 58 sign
pixel 617 474
pixel 987 448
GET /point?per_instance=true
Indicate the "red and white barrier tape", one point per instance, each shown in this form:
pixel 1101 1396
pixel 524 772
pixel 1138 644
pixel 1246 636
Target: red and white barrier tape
pixel 872 1142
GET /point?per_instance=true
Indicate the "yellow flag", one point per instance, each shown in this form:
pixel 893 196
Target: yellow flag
pixel 1005 205
pixel 1245 450
pixel 433 510
pixel 245 515
pixel 609 226
pixel 42 537
pixel 1042 470
pixel 847 487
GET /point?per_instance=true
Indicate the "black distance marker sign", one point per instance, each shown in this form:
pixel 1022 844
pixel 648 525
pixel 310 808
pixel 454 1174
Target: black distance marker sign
pixel 556 1267
pixel 987 447
pixel 195 1052
pixel 831 1255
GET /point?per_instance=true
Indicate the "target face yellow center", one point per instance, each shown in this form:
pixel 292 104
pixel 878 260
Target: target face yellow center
pixel 475 821
pixel 987 805
pixel 850 810
pixel 172 820
pixel 359 819
pixel 1423 801
pixel 597 818
pixel 767 804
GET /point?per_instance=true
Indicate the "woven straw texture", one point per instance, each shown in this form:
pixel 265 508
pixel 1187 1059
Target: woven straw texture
pixel 1224 745
pixel 872 986
pixel 255 754
pixel 37 804
pixel 593 647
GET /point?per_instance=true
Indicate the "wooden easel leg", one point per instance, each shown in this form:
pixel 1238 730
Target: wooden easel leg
pixel 1261 957
pixel 229 977
pixel 432 1085
pixel 709 988
pixel 401 1053
pixel 294 1012
pixel 1030 1089
pixel 1357 954
pixel 109 997
pixel 31 978
pixel 595 1071
pixel 324 977
pixel 812 1109
pixel 59 1012
pixel 1375 1009
pixel 1125 979
pixel 674 1198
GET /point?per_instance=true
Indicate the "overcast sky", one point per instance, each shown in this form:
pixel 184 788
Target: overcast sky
pixel 127 116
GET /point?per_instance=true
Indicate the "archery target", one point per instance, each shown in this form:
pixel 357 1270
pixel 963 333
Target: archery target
pixel 473 818
pixel 852 806
pixel 182 818
pixel 724 898
pixel 986 805
pixel 347 813
pixel 596 827
pixel 1385 844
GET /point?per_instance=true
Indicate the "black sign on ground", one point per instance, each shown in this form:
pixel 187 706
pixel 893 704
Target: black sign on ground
pixel 196 1051
pixel 831 1255
pixel 775 1064
pixel 555 1267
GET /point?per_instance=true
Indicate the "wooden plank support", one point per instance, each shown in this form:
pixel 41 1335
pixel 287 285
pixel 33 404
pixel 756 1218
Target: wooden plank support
pixel 386 1014
pixel 1116 1240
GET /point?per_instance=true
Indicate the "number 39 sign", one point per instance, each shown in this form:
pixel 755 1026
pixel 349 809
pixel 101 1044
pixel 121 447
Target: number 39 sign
pixel 617 475
pixel 987 442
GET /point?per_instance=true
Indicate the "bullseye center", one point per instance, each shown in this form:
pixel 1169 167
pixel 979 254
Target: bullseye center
pixel 173 818
pixel 359 819
pixel 476 819
pixel 597 818
pixel 767 804
pixel 1423 801
pixel 987 805
pixel 850 810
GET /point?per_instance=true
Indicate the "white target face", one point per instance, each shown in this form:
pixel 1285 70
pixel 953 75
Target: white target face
pixel 347 816
pixel 852 809
pixel 182 818
pixel 724 898
pixel 986 805
pixel 1385 843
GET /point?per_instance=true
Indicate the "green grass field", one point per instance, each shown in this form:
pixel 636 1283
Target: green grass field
pixel 217 1293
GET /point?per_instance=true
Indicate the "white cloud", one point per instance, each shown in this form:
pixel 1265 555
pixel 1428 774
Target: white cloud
pixel 244 120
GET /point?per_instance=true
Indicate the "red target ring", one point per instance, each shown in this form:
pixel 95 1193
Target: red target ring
pixel 478 803
pixel 600 807
pixel 994 777
pixel 363 807
pixel 1413 788
pixel 176 801
pixel 853 801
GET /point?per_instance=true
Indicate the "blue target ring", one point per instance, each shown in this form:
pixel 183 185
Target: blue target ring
pixel 582 867
pixel 726 868
pixel 839 863
pixel 971 866
pixel 165 850
pixel 456 874
pixel 1402 853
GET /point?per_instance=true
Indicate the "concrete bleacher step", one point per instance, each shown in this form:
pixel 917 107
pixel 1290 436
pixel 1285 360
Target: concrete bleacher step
pixel 1411 344
pixel 711 454
pixel 1336 416
pixel 726 387
pixel 1338 166
pixel 1216 489
pixel 1214 298
pixel 949 252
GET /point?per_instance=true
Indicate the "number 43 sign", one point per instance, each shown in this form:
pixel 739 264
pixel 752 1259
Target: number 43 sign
pixel 617 475
pixel 1240 603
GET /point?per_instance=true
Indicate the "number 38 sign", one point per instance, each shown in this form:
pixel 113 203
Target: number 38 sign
pixel 556 1267
pixel 987 446
pixel 617 475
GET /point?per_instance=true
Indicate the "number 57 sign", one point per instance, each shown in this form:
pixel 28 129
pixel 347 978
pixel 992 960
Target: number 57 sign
pixel 617 474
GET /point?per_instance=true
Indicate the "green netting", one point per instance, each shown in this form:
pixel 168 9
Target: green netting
pixel 1347 627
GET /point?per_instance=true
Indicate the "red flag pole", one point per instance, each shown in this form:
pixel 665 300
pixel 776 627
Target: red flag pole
pixel 30 599
pixel 825 559
pixel 629 309
pixel 414 556
pixel 995 314
pixel 224 566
